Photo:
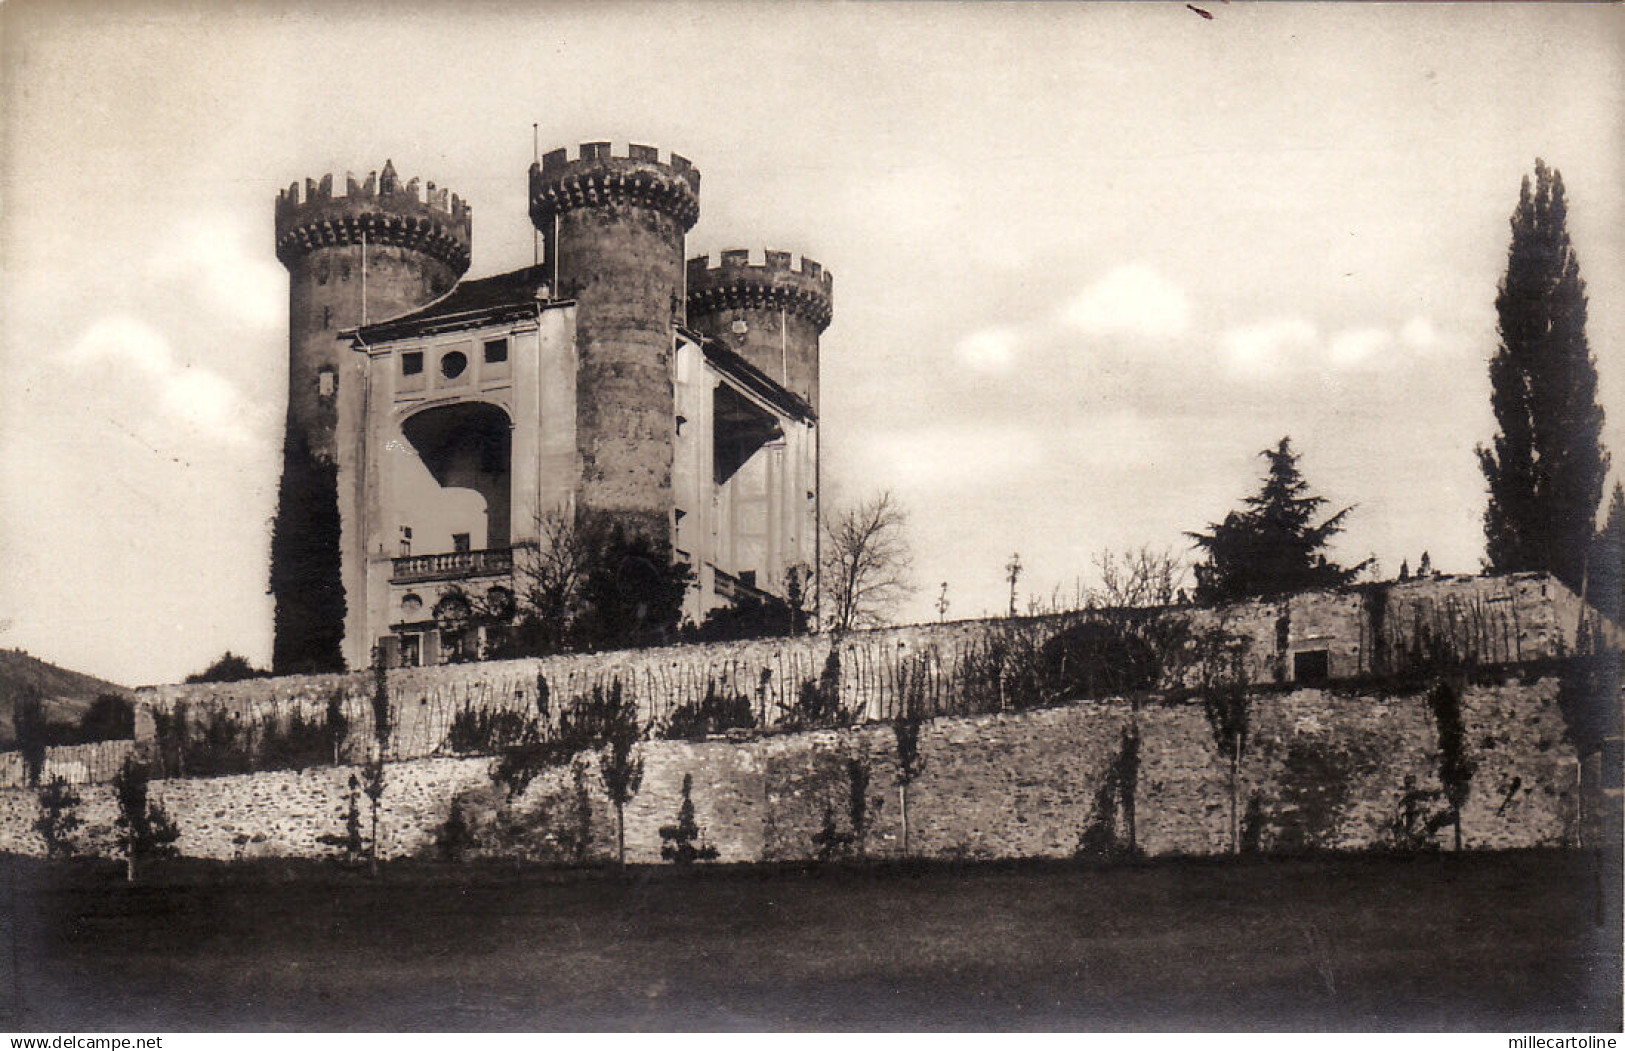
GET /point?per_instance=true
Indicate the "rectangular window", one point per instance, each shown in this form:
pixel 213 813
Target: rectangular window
pixel 411 363
pixel 1311 666
pixel 496 351
pixel 459 542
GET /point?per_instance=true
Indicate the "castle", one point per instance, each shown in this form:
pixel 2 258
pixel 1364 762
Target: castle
pixel 612 381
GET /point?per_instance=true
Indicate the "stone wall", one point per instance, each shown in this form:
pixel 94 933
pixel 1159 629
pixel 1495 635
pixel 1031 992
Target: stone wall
pixel 77 764
pixel 1324 768
pixel 1364 631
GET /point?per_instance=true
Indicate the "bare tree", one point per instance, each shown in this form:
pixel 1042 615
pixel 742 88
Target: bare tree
pixel 866 564
pixel 1139 577
pixel 550 580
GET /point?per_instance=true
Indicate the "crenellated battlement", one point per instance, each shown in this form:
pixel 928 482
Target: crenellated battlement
pixel 600 174
pixel 774 279
pixel 425 218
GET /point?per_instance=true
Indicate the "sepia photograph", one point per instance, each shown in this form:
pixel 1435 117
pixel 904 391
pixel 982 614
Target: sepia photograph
pixel 708 517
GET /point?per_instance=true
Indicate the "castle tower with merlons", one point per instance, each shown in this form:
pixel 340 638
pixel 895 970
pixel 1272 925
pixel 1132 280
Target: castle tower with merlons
pixel 435 423
pixel 379 249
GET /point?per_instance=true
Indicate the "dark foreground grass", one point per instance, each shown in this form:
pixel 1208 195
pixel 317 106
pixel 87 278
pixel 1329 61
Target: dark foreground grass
pixel 1505 942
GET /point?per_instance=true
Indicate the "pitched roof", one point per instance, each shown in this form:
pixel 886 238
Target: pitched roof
pixel 477 302
pixel 751 377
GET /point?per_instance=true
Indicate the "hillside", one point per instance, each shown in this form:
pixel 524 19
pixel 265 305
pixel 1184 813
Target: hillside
pixel 66 693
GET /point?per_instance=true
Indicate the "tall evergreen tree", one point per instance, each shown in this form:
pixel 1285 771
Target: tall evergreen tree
pixel 1272 547
pixel 309 617
pixel 1605 588
pixel 1547 464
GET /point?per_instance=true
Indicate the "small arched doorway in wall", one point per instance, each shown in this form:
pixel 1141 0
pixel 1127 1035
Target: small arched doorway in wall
pixel 467 450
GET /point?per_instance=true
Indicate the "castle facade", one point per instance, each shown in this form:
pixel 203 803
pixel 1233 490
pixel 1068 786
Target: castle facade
pixel 614 381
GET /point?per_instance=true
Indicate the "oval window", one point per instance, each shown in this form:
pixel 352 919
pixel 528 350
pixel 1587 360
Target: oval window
pixel 453 364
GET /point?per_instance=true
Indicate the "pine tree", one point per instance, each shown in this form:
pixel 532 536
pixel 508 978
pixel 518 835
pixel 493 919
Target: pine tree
pixel 1546 467
pixel 1273 547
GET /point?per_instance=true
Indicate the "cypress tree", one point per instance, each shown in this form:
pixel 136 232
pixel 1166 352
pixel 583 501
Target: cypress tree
pixel 305 581
pixel 1606 587
pixel 1546 466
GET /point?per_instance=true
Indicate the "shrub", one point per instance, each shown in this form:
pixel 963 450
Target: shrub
pixel 228 667
pixel 585 724
pixel 818 703
pixel 109 718
pixel 57 821
pixel 294 743
pixel 716 713
pixel 486 731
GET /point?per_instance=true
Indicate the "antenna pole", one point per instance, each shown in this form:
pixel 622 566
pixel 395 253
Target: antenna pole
pixel 363 277
pixel 535 232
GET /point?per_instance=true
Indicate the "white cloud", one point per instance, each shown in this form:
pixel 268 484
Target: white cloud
pixel 988 349
pixel 953 454
pixel 1130 300
pixel 1354 347
pixel 196 397
pixel 911 201
pixel 1266 347
pixel 1419 334
pixel 208 255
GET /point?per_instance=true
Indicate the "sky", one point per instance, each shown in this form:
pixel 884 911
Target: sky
pixel 1089 259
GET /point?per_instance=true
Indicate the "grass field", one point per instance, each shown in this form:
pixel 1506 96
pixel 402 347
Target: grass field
pixel 1455 942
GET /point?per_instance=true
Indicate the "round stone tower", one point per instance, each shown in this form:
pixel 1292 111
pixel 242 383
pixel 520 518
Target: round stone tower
pixel 612 233
pixel 771 314
pixel 379 250
pixel 415 250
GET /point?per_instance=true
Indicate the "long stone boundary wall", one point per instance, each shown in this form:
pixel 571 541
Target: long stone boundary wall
pixel 1499 620
pixel 1323 769
pixel 77 764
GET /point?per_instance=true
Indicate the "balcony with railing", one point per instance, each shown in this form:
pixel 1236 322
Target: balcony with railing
pixel 742 589
pixel 453 565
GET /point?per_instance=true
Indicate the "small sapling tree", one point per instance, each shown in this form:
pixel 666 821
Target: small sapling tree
pixel 829 840
pixel 1222 668
pixel 372 773
pixel 338 724
pixel 350 842
pixel 681 842
pixel 857 800
pixel 57 821
pixel 144 829
pixel 1456 767
pixel 619 764
pixel 910 764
